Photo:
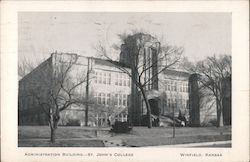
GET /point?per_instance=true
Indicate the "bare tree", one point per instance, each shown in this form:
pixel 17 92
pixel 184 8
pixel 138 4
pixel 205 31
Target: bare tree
pixel 140 64
pixel 24 67
pixel 108 106
pixel 213 71
pixel 57 92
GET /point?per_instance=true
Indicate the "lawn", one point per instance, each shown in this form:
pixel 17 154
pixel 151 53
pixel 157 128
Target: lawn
pixel 139 136
pixel 27 132
pixel 61 143
pixel 146 141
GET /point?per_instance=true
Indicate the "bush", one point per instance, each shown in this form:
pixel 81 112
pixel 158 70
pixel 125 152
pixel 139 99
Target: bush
pixel 213 122
pixel 73 122
pixel 121 127
pixel 155 120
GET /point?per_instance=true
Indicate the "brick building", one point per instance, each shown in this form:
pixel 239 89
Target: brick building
pixel 109 89
pixel 109 92
pixel 113 94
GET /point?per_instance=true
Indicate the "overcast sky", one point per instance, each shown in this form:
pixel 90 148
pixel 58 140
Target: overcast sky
pixel 201 34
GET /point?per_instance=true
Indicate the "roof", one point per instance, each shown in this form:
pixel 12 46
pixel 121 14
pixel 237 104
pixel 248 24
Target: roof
pixel 176 72
pixel 35 69
pixel 99 61
pixel 109 62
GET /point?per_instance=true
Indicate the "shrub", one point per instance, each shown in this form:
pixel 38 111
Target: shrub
pixel 121 127
pixel 155 120
pixel 73 122
pixel 213 122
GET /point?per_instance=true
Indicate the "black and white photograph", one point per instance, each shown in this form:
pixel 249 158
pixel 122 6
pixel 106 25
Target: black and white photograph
pixel 120 79
pixel 124 81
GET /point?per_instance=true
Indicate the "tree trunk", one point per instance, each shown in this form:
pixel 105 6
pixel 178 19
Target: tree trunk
pixel 148 108
pixel 221 119
pixel 219 113
pixel 54 119
pixel 52 135
pixel 173 122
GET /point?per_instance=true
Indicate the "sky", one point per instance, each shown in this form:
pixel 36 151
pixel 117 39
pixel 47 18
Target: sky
pixel 41 33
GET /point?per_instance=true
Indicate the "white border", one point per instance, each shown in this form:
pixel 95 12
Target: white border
pixel 240 81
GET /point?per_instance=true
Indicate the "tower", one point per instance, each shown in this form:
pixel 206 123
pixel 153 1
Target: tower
pixel 140 53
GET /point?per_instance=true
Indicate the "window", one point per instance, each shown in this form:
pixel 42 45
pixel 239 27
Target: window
pixel 103 99
pixel 184 87
pixel 99 77
pixel 183 102
pixel 99 98
pixel 172 85
pixel 116 79
pixel 96 75
pixel 169 103
pixel 168 84
pixel 128 100
pixel 179 102
pixel 128 81
pixel 116 100
pixel 165 86
pixel 104 78
pixel 108 99
pixel 120 99
pixel 95 97
pixel 175 86
pixel 120 79
pixel 109 78
pixel 124 80
pixel 124 100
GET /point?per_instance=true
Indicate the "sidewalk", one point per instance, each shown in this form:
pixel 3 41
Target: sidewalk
pixel 166 141
pixel 202 144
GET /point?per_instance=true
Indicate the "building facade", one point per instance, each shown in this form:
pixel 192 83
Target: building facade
pixel 109 89
pixel 174 87
pixel 111 93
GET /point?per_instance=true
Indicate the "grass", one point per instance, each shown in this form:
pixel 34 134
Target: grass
pixel 157 132
pixel 30 136
pixel 139 142
pixel 61 143
pixel 26 132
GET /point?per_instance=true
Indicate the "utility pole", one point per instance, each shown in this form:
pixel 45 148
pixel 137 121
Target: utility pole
pixel 173 122
pixel 87 96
